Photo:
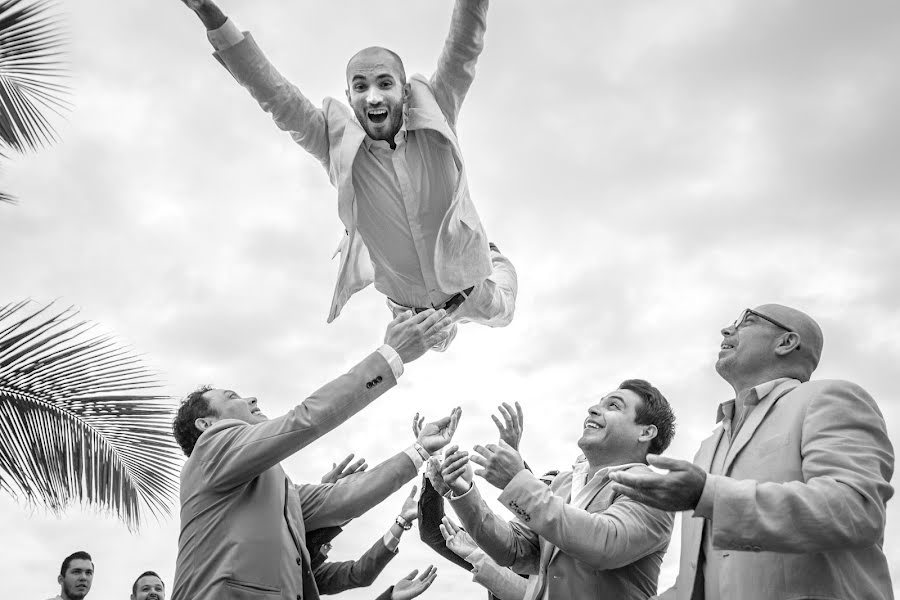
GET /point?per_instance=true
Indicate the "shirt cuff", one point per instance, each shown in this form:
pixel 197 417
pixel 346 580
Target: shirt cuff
pixel 393 360
pixel 454 496
pixel 226 36
pixel 390 542
pixel 414 456
pixel 475 558
pixel 707 498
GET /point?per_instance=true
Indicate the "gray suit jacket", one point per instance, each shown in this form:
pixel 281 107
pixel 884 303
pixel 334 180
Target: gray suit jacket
pixel 800 510
pixel 336 577
pixel 612 549
pixel 243 522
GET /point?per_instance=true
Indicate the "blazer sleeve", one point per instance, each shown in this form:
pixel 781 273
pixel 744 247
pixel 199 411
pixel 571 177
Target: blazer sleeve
pixel 289 108
pixel 232 452
pixel 326 505
pixel 456 64
pixel 431 511
pixel 847 463
pixel 619 535
pixel 336 577
pixel 500 581
pixel 510 544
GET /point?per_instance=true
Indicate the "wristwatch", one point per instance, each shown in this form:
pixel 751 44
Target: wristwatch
pixel 406 525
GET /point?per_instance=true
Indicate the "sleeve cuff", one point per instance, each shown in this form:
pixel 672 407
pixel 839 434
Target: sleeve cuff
pixel 453 496
pixel 414 456
pixel 390 542
pixel 476 558
pixel 226 36
pixel 707 498
pixel 390 355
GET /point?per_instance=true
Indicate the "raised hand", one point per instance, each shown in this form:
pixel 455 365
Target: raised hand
pixel 453 470
pixel 341 470
pixel 459 542
pixel 410 508
pixel 511 433
pixel 437 434
pixel 411 335
pixel 679 489
pixel 433 473
pixel 410 587
pixel 501 463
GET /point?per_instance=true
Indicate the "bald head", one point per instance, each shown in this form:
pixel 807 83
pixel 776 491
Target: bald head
pixel 811 338
pixel 373 59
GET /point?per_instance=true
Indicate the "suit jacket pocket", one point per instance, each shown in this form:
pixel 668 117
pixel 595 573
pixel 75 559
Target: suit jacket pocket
pixel 244 590
pixel 772 444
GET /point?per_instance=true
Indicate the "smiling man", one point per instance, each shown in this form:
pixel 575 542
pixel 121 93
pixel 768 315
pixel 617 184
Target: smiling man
pixel 243 522
pixel 787 498
pixel 148 586
pixel 403 197
pixel 75 576
pixel 579 537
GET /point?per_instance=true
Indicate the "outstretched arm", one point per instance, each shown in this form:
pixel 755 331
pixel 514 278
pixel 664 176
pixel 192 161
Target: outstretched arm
pixel 456 64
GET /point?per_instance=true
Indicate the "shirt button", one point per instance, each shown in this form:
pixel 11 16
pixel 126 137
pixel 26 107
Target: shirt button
pixel 299 561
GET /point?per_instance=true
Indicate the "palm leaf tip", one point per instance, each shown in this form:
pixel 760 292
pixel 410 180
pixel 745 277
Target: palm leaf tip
pixel 73 426
pixel 32 73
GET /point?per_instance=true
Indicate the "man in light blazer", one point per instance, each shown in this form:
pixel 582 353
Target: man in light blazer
pixel 410 225
pixel 243 521
pixel 580 538
pixel 786 499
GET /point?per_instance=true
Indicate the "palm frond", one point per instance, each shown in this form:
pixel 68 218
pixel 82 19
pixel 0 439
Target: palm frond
pixel 74 427
pixel 32 74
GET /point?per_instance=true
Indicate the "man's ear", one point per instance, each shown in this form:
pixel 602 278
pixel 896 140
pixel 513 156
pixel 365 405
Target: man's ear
pixel 648 432
pixel 789 342
pixel 59 579
pixel 202 423
pixel 347 91
pixel 406 90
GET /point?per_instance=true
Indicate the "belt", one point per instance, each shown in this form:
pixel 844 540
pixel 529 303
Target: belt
pixel 450 305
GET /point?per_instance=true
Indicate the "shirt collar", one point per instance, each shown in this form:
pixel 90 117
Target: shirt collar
pixel 750 397
pixel 581 467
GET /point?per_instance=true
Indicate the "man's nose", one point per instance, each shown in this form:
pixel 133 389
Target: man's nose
pixel 594 411
pixel 374 96
pixel 728 330
pixel 251 401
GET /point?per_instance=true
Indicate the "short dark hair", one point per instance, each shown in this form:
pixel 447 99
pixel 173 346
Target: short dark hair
pixel 193 407
pixel 145 574
pixel 80 555
pixel 654 410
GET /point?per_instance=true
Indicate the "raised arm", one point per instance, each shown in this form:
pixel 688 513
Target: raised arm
pixel 239 53
pixel 623 533
pixel 326 505
pixel 510 544
pixel 456 64
pixel 243 451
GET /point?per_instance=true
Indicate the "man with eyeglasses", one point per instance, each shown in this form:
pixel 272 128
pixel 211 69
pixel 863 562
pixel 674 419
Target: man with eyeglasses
pixel 787 498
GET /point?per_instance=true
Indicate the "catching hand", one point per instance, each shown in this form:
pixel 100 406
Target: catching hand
pixel 410 508
pixel 435 435
pixel 679 489
pixel 410 587
pixel 338 471
pixel 501 463
pixel 511 433
pixel 460 542
pixel 453 470
pixel 411 335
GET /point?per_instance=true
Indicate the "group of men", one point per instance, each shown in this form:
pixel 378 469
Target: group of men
pixel 76 575
pixel 786 499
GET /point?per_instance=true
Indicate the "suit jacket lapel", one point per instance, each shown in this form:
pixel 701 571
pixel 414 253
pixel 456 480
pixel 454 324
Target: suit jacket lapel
pixel 708 447
pixel 753 420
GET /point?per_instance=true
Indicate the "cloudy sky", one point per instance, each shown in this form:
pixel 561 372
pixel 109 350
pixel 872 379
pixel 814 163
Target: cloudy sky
pixel 651 168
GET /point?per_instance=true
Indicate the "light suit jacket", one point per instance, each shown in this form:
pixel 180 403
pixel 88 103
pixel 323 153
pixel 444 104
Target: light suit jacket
pixel 333 135
pixel 613 549
pixel 800 510
pixel 243 523
pixel 334 577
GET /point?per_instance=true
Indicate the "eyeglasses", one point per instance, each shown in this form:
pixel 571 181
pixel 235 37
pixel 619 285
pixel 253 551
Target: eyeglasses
pixel 749 311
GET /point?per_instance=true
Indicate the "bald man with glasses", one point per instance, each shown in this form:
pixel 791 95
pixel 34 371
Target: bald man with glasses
pixel 787 498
